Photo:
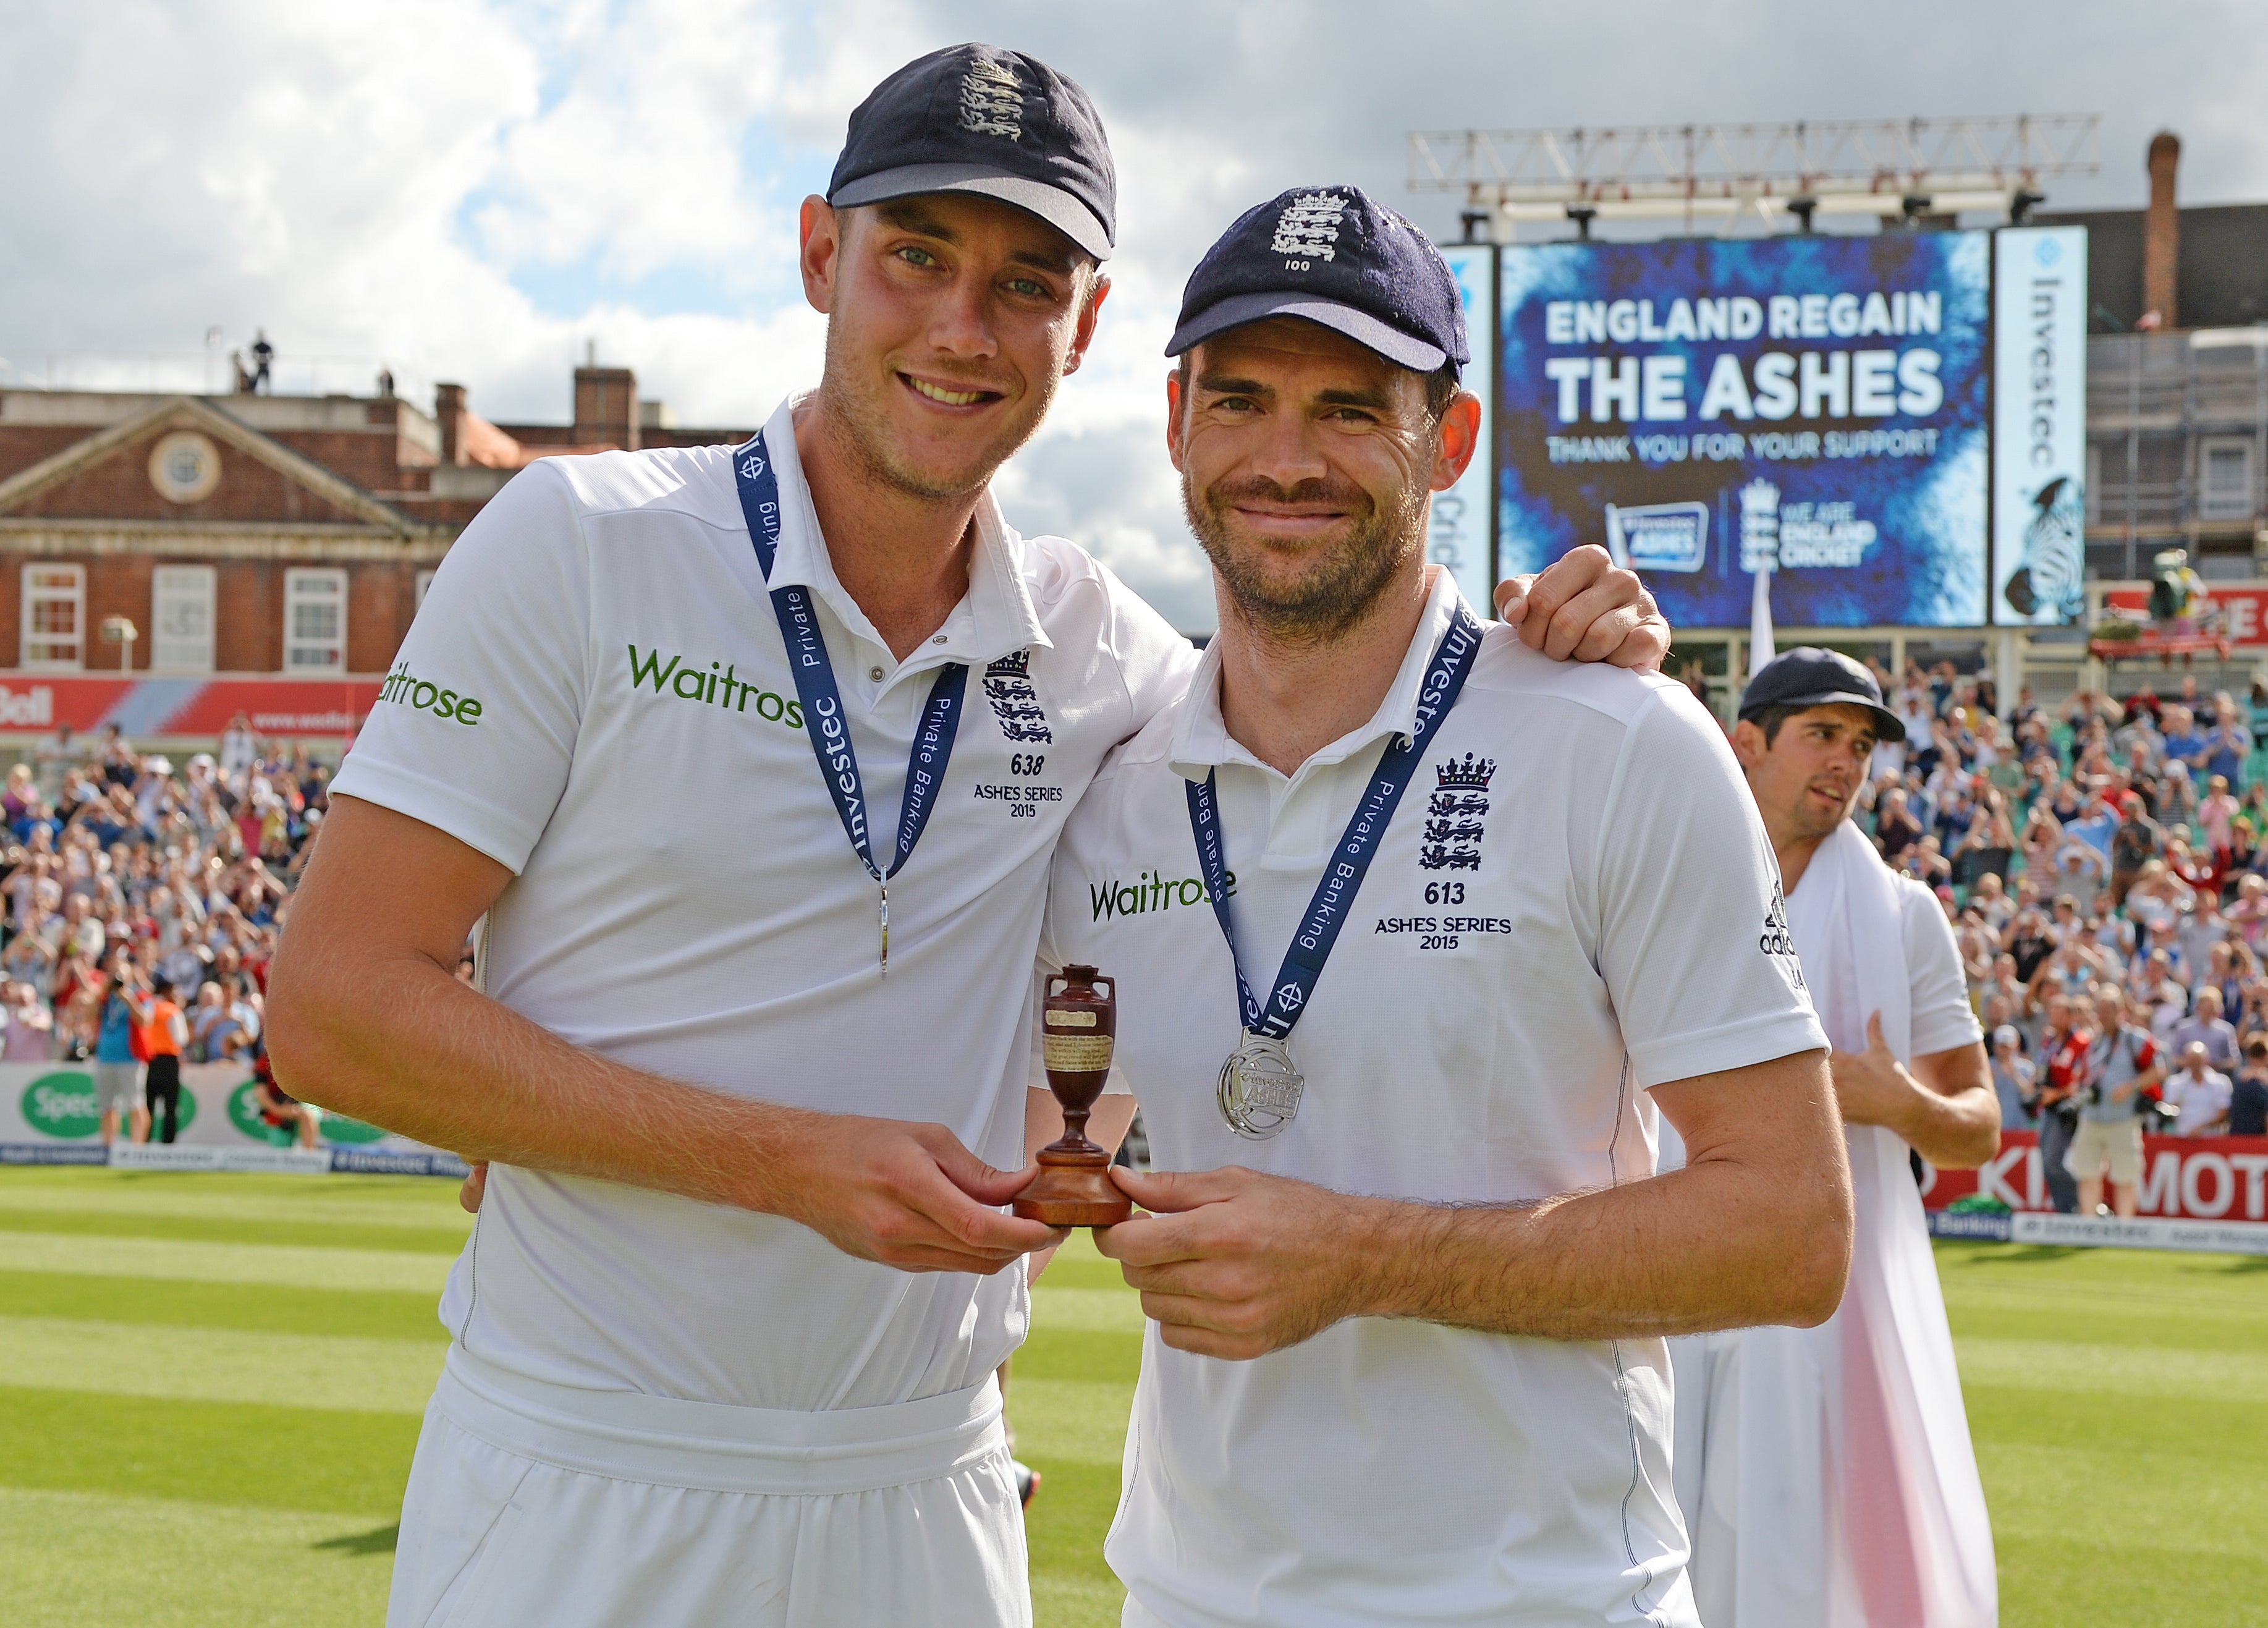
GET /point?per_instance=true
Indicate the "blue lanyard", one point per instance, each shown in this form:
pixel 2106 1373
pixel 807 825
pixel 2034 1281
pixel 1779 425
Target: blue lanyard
pixel 1334 897
pixel 823 717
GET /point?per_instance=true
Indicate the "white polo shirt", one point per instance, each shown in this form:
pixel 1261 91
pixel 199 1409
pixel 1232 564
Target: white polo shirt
pixel 1575 902
pixel 595 693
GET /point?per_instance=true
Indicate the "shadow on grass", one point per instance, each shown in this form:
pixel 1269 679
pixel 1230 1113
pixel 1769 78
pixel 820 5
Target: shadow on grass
pixel 378 1541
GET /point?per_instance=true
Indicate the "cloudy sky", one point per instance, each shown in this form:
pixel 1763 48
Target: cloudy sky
pixel 475 189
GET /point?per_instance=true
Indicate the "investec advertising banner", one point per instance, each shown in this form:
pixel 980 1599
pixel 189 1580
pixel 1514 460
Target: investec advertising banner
pixel 1459 540
pixel 1816 407
pixel 2039 424
pixel 2196 1178
pixel 49 1114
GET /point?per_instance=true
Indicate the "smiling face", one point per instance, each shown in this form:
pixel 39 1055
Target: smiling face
pixel 951 320
pixel 1807 777
pixel 1307 461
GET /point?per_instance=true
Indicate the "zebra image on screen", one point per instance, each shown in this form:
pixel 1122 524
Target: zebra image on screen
pixel 2052 574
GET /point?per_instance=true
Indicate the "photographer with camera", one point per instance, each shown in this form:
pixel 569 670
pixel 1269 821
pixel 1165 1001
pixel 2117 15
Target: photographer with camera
pixel 2121 1065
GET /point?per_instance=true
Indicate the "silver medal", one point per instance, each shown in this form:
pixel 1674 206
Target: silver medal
pixel 1260 1089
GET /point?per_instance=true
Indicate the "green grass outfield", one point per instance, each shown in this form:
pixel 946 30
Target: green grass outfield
pixel 210 1388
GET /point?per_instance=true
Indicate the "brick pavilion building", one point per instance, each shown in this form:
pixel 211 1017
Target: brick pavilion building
pixel 267 551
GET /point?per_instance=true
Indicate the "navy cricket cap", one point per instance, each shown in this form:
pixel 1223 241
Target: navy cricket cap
pixel 1331 255
pixel 976 118
pixel 1808 676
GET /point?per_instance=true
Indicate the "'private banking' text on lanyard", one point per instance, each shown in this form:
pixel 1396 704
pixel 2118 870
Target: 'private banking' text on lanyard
pixel 823 717
pixel 1260 1089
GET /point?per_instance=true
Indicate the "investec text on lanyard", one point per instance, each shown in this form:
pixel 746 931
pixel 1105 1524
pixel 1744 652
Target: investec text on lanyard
pixel 1260 1089
pixel 823 717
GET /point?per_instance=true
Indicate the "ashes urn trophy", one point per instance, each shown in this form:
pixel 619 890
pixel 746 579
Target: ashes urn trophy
pixel 1077 1027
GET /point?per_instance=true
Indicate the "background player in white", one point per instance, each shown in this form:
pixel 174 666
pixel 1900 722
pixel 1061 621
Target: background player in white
pixel 726 1326
pixel 1437 1264
pixel 1826 1473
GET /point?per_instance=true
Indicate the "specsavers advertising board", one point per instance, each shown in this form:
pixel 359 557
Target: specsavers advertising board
pixel 50 1114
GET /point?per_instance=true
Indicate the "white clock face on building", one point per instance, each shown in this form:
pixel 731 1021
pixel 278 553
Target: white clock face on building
pixel 184 467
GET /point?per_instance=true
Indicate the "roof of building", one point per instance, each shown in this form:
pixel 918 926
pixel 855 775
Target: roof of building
pixel 2220 277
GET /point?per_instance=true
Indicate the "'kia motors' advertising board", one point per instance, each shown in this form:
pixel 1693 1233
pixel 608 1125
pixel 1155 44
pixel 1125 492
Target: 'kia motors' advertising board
pixel 1816 407
pixel 2197 1178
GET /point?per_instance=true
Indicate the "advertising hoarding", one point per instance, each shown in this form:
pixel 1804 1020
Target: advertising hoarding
pixel 50 1115
pixel 1460 538
pixel 161 709
pixel 1814 407
pixel 2197 1178
pixel 2039 424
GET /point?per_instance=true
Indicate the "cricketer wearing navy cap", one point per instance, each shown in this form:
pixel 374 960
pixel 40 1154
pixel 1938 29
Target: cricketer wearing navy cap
pixel 1810 676
pixel 1402 1260
pixel 1332 255
pixel 976 118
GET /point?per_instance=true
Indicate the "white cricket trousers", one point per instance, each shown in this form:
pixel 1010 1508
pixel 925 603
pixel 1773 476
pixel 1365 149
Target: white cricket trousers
pixel 537 1503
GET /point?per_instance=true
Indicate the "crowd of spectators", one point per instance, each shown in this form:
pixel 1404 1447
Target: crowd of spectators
pixel 132 883
pixel 2104 865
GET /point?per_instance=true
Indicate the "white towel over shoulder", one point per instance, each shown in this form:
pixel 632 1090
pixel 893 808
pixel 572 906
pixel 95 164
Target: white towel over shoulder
pixel 1826 1474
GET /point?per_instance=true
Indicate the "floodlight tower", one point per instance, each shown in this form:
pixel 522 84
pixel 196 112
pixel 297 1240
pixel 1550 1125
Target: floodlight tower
pixel 1894 169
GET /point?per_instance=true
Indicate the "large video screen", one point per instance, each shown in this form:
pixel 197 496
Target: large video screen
pixel 1816 407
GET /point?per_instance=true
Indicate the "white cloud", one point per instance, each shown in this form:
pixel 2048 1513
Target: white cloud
pixel 473 188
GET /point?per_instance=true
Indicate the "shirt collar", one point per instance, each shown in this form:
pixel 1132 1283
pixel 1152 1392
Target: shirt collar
pixel 996 617
pixel 1201 739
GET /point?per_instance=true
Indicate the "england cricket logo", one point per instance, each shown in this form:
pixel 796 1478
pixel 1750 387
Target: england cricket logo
pixel 991 101
pixel 1309 225
pixel 1008 688
pixel 1454 815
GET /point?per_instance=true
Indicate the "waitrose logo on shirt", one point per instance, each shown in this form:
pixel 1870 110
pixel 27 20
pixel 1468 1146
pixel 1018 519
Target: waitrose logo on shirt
pixel 719 687
pixel 1154 890
pixel 405 688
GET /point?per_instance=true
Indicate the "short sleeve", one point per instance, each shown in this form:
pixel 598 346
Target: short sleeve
pixel 1693 938
pixel 1157 661
pixel 1943 1016
pixel 475 730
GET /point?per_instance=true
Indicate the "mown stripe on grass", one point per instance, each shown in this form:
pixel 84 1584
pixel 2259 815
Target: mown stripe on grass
pixel 2111 1370
pixel 1072 1420
pixel 283 1265
pixel 1078 1264
pixel 163 1302
pixel 336 1200
pixel 223 1229
pixel 220 1365
pixel 81 1557
pixel 260 1455
pixel 2046 1583
pixel 1079 1354
pixel 2214 1429
pixel 2186 1501
pixel 1110 1311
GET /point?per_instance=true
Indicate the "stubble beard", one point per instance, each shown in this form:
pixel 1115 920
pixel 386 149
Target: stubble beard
pixel 1337 589
pixel 864 431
